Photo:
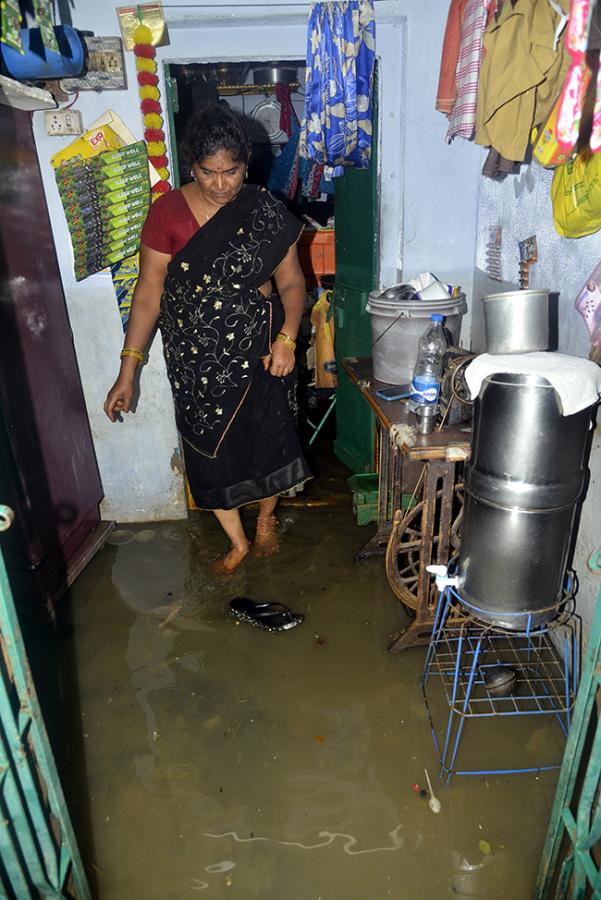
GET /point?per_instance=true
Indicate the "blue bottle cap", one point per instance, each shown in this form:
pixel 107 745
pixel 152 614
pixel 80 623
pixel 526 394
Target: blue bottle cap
pixel 437 317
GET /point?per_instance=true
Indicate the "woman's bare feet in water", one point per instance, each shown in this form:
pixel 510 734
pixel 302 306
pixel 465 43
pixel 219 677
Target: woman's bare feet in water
pixel 231 560
pixel 267 539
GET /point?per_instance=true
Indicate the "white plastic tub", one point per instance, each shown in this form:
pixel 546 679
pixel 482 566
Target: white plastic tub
pixel 396 327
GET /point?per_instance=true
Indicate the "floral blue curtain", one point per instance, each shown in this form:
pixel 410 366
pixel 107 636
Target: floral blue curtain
pixel 337 128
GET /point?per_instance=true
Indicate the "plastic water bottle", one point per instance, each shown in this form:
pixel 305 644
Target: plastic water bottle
pixel 427 373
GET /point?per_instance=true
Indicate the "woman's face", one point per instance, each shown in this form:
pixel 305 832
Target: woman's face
pixel 219 177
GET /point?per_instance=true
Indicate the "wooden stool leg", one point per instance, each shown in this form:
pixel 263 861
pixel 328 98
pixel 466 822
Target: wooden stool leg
pixel 388 476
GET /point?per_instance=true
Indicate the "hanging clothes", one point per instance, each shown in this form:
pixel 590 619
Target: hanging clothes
pixel 288 116
pixel 447 81
pixel 313 183
pixel 283 175
pixel 337 129
pixel 462 121
pixel 521 75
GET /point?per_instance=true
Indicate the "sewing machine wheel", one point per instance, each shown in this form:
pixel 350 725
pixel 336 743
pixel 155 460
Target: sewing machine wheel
pixel 403 551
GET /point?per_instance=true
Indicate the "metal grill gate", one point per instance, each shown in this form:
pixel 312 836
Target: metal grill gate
pixel 570 865
pixel 38 851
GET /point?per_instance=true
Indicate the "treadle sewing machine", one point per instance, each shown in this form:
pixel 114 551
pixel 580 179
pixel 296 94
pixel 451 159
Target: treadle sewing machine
pixel 455 402
pixel 428 468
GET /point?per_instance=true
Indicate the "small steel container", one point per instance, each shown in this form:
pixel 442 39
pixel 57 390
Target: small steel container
pixel 426 419
pixel 516 321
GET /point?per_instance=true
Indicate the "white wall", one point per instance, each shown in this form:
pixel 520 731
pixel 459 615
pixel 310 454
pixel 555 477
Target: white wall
pixel 429 197
pixel 564 265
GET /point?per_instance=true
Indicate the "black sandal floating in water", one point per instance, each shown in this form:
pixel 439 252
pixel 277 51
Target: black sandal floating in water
pixel 267 616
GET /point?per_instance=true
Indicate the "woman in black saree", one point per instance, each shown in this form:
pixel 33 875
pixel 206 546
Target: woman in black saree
pixel 208 255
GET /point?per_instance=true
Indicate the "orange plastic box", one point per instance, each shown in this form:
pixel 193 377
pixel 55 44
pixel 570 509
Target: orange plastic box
pixel 316 253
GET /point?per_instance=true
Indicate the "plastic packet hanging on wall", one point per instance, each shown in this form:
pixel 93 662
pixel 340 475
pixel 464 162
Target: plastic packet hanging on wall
pixel 576 196
pixel 43 17
pixel 588 304
pixel 546 147
pixel 10 24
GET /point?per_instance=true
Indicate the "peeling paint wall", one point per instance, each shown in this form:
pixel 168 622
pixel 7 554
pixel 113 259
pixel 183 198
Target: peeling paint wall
pixel 564 265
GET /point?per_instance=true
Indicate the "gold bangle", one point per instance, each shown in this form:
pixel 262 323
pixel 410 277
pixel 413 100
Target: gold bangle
pixel 137 354
pixel 286 339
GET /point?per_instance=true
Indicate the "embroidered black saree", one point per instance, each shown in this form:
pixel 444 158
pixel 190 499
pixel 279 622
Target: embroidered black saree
pixel 236 420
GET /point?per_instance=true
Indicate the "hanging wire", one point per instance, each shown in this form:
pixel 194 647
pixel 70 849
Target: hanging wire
pixel 75 99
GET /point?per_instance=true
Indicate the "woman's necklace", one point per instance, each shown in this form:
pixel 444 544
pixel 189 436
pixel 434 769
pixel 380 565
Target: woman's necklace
pixel 202 204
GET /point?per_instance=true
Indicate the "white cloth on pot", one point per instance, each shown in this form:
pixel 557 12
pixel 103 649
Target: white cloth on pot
pixel 576 380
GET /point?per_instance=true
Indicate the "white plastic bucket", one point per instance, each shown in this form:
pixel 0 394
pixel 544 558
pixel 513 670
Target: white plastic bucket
pixel 396 327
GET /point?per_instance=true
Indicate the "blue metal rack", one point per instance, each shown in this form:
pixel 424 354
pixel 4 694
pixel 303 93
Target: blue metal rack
pixel 461 650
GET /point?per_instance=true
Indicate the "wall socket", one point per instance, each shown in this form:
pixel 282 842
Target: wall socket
pixel 63 121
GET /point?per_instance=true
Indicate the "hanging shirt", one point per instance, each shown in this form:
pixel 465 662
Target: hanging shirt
pixel 521 75
pixel 463 119
pixel 447 84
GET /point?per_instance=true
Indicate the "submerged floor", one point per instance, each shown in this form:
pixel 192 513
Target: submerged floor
pixel 219 760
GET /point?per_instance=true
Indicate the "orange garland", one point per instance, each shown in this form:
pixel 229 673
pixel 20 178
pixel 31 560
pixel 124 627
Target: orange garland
pixel 150 105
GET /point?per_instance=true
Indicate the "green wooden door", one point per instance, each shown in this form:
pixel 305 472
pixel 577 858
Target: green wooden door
pixel 356 275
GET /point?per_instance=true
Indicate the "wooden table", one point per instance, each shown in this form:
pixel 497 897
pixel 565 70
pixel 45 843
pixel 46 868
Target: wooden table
pixel 429 467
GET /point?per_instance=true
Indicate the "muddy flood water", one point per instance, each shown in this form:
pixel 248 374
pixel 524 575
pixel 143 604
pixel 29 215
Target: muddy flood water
pixel 201 757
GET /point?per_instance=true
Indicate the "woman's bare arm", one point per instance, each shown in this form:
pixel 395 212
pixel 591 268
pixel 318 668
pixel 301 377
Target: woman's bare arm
pixel 290 283
pixel 145 308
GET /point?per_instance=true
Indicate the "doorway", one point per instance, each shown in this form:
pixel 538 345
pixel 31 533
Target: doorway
pixel 261 91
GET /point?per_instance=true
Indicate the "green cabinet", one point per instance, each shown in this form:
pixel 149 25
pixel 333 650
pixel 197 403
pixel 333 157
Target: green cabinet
pixel 356 275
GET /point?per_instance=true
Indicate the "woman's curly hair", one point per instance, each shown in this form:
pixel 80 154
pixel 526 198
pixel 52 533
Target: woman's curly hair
pixel 212 129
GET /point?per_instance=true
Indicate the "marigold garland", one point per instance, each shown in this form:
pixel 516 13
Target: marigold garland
pixel 145 65
pixel 150 106
pixel 144 50
pixel 154 134
pixel 147 78
pixel 153 121
pixel 152 113
pixel 148 92
pixel 155 148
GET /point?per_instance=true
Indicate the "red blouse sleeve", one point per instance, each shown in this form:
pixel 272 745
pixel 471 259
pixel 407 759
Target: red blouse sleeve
pixel 155 231
pixel 170 224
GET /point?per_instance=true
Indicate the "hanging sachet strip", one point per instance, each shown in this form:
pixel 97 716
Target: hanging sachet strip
pixel 43 17
pixel 10 24
pixel 572 95
pixel 337 129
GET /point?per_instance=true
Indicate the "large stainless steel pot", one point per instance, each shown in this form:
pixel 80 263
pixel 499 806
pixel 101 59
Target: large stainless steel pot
pixel 526 476
pixel 516 321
